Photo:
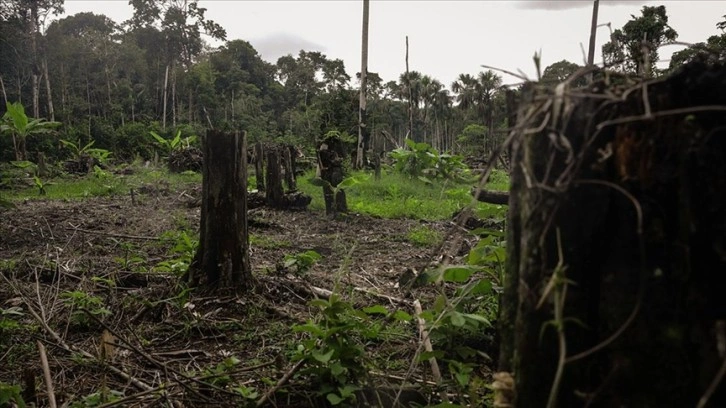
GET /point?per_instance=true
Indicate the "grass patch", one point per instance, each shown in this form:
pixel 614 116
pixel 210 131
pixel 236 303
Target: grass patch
pixel 397 196
pixel 98 184
pixel 267 242
pixel 424 236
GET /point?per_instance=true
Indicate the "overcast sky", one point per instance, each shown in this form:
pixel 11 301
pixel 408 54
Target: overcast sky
pixel 446 38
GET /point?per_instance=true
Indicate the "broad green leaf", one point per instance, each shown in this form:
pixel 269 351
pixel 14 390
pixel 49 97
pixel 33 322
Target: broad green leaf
pixel 348 182
pixel 457 319
pixel 159 139
pixel 334 399
pixel 377 309
pixel 402 316
pixel 457 273
pixel 478 318
pixel 322 357
pixel 482 287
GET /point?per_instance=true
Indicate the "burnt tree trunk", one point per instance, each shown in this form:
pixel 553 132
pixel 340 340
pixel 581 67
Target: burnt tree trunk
pixel 331 155
pixel 289 165
pixel 259 166
pixel 222 259
pixel 274 193
pixel 621 200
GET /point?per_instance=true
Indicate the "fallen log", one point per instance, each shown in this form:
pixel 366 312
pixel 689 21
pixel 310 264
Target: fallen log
pixel 491 197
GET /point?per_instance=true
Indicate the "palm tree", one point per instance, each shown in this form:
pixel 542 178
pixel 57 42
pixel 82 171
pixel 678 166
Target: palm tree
pixel 478 93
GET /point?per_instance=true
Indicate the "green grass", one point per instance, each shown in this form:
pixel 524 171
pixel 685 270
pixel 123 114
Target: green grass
pixel 72 187
pixel 397 196
pixel 424 236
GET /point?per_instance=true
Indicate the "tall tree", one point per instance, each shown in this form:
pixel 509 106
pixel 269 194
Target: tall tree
pixel 634 48
pixel 29 14
pixel 181 22
pixel 362 130
pixel 713 49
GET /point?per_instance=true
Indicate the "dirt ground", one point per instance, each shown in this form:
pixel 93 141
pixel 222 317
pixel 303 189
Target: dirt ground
pixel 163 334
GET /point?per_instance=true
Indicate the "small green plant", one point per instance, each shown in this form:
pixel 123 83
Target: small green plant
pixel 10 396
pixel 219 375
pixel 7 322
pixel 79 302
pixel 97 399
pixel 424 236
pixel 20 127
pixel 177 143
pixel 81 151
pixel 334 353
pixel 132 260
pixel 302 262
pixel 184 248
pixel 423 162
pixel 41 186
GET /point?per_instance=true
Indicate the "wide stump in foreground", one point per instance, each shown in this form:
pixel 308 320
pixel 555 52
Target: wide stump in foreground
pixel 614 292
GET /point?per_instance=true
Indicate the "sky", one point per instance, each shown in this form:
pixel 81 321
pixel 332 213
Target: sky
pixel 446 38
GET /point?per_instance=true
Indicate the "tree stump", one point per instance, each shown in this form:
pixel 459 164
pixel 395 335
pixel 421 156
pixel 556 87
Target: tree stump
pixel 274 192
pixel 222 259
pixel 288 162
pixel 259 166
pixel 331 155
pixel 613 293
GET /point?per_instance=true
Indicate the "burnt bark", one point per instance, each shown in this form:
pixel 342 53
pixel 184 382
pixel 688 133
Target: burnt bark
pixel 331 156
pixel 492 197
pixel 289 166
pixel 274 192
pixel 259 166
pixel 222 259
pixel 629 200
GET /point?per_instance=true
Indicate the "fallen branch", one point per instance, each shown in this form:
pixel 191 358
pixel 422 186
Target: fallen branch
pixel 108 234
pixel 435 371
pixel 46 375
pixel 285 378
pixel 492 197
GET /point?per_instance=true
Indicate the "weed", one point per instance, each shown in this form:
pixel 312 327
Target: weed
pixel 424 236
pixel 184 248
pixel 302 262
pixel 10 396
pixel 7 322
pixel 81 302
pixel 423 162
pixel 334 352
pixel 97 399
pixel 267 242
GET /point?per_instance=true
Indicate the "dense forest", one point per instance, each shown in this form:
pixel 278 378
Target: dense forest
pixel 112 82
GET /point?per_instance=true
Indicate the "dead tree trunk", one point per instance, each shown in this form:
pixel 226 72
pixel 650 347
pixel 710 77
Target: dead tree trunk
pixel 222 259
pixel 289 166
pixel 331 155
pixel 274 193
pixel 613 293
pixel 259 166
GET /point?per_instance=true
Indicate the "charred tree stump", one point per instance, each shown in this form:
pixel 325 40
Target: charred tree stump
pixel 222 259
pixel 289 166
pixel 613 294
pixel 274 192
pixel 331 154
pixel 259 166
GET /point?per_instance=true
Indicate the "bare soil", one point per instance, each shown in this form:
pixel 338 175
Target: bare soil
pixel 164 334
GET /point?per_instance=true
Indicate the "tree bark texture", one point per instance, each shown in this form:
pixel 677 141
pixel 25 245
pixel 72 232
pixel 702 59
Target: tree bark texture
pixel 273 176
pixel 289 167
pixel 621 199
pixel 222 259
pixel 259 166
pixel 362 117
pixel 331 155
